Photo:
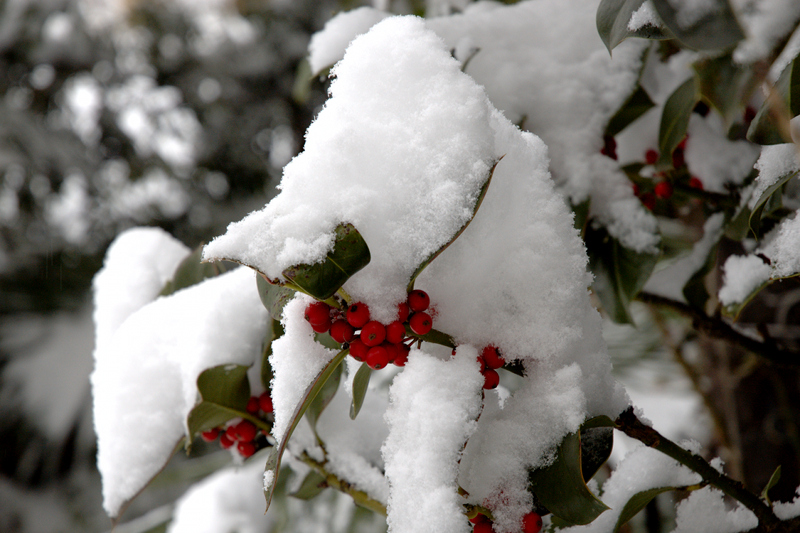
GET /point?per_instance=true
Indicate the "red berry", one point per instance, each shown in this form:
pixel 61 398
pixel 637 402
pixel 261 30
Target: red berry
pixel 246 449
pixel 651 156
pixel 491 356
pixel 373 333
pixel 663 189
pixel 342 332
pixel 358 350
pixel 318 313
pixel 252 405
pixel 695 183
pixel 265 402
pixel 395 332
pixel 377 357
pixel 420 323
pixel 479 518
pixel 682 144
pixel 649 200
pixel 230 432
pixel 635 189
pixel 418 300
pixel 402 355
pixel 246 431
pixel 321 328
pixel 491 379
pixel 483 527
pixel 392 349
pixel 531 523
pixel 403 311
pixel 225 441
pixel 609 147
pixel 358 314
pixel 678 159
pixel 210 435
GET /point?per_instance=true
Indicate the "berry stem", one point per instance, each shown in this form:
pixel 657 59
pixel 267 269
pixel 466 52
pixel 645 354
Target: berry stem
pixel 360 497
pixel 346 297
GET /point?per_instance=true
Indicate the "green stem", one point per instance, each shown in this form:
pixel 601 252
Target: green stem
pixel 629 424
pixel 359 496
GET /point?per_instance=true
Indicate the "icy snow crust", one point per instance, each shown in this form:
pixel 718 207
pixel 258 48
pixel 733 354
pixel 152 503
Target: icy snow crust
pixel 144 382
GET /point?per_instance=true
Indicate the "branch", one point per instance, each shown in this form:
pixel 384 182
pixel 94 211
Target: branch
pixel 719 329
pixel 629 424
pixel 359 497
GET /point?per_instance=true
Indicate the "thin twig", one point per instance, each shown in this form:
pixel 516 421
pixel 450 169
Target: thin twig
pixel 333 481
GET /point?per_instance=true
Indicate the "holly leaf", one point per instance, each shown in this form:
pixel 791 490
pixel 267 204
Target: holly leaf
pixel 764 128
pixel 274 460
pixel 773 480
pixel 360 384
pixel 434 336
pixel 437 253
pixel 324 397
pixel 769 201
pixel 723 83
pixel 274 297
pixel 674 121
pixel 612 21
pixel 637 104
pixel 597 441
pixel 192 271
pixel 639 501
pixel 312 485
pixel 560 487
pixel 321 280
pixel 275 331
pixel 620 273
pixel 718 29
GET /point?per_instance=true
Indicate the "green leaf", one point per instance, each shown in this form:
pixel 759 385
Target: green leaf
pixel 718 30
pixel 638 502
pixel 324 397
pixel 739 226
pixel 764 129
pixel 275 331
pixel 637 104
pixel 321 280
pixel 620 273
pixel 597 441
pixel 612 23
pixel 274 297
pixel 723 83
pixel 773 480
pixel 560 487
pixel 764 200
pixel 360 383
pixel 312 485
pixel 434 255
pixel 192 271
pixel 732 311
pixel 224 391
pixel 674 121
pixel 274 460
pixel 434 336
pixel 581 212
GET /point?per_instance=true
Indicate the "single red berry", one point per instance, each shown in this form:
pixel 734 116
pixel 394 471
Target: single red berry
pixel 225 441
pixel 420 323
pixel 682 144
pixel 418 300
pixel 649 200
pixel 635 189
pixel 210 435
pixel 479 518
pixel 373 333
pixel 358 350
pixel 491 379
pixel 322 328
pixel 402 355
pixel 358 314
pixel 663 189
pixel 650 157
pixel 695 183
pixel 246 431
pixel 531 523
pixel 392 349
pixel 678 160
pixel 395 332
pixel 609 148
pixel 318 313
pixel 403 311
pixel 230 432
pixel 492 358
pixel 265 402
pixel 377 357
pixel 342 331
pixel 252 405
pixel 483 527
pixel 246 449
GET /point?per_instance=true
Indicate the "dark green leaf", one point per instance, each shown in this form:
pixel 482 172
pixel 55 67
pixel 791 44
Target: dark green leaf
pixel 762 204
pixel 434 255
pixel 674 121
pixel 324 397
pixel 638 502
pixel 764 128
pixel 596 446
pixel 192 271
pixel 620 273
pixel 561 488
pixel 360 383
pixel 773 480
pixel 274 460
pixel 275 331
pixel 718 30
pixel 739 226
pixel 612 23
pixel 724 84
pixel 224 391
pixel 434 336
pixel 321 280
pixel 637 104
pixel 274 297
pixel 312 485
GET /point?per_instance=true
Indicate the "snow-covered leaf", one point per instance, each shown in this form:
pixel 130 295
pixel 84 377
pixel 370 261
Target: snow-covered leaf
pixel 766 203
pixel 613 23
pixel 635 106
pixel 321 280
pixel 675 121
pixel 274 331
pixel 192 271
pixel 764 129
pixel 638 502
pixel 713 26
pixel 360 384
pixel 597 441
pixel 324 396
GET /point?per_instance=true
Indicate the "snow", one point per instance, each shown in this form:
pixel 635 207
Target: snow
pixel 326 46
pixel 787 510
pixel 766 23
pixel 743 275
pixel 775 162
pixel 690 12
pixel 644 16
pixel 785 250
pixel 706 510
pixel 144 381
pixel 433 408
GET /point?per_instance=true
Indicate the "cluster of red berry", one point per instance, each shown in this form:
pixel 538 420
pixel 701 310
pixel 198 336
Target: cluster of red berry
pixel 370 341
pixel 243 433
pixel 663 188
pixel 531 523
pixel 490 360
